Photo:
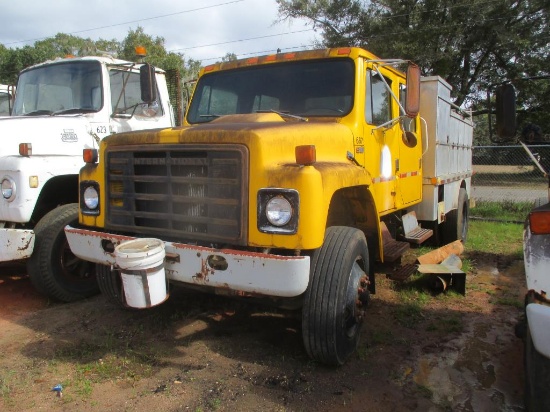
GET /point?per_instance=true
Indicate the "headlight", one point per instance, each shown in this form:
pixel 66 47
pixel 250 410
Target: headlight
pixel 278 211
pixel 8 189
pixel 91 197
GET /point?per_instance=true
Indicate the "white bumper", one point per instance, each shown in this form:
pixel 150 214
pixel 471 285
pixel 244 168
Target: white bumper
pixel 265 274
pixel 15 244
pixel 538 319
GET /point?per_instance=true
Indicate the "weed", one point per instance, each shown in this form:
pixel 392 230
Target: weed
pixel 509 301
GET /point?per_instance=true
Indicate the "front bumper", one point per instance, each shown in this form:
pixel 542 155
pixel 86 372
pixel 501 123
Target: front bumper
pixel 16 244
pixel 249 272
pixel 538 319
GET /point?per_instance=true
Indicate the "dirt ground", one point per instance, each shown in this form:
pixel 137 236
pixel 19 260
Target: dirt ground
pixel 196 352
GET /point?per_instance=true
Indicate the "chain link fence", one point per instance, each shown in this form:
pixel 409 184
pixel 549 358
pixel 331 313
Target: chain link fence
pixel 506 174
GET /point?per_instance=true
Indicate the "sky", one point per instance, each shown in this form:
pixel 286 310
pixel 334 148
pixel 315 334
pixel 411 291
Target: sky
pixel 204 30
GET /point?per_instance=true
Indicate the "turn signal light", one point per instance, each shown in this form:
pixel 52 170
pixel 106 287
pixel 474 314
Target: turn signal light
pixel 89 155
pixel 539 221
pixel 25 149
pixel 305 155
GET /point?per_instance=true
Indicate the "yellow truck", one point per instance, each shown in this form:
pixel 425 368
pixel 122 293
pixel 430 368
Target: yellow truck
pixel 293 177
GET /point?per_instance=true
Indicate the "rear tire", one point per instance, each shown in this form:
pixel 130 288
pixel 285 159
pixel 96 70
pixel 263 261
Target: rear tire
pixel 53 269
pixel 456 221
pixel 537 377
pixel 333 311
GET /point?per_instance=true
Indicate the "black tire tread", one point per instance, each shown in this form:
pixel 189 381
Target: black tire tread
pixel 110 285
pixel 39 265
pixel 320 311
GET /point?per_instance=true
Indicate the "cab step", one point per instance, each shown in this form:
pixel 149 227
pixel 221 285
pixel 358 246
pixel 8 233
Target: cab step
pixel 402 273
pixel 413 232
pixel 393 249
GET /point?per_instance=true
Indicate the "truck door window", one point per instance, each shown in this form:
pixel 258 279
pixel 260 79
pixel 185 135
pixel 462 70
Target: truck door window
pixel 409 125
pixel 378 99
pixel 4 104
pixel 126 93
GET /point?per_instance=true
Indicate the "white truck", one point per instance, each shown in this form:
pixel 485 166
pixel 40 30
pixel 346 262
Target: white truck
pixel 63 106
pixel 7 94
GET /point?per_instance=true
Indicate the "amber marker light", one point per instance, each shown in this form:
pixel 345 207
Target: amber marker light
pixel 89 155
pixel 140 51
pixel 539 222
pixel 25 149
pixel 305 155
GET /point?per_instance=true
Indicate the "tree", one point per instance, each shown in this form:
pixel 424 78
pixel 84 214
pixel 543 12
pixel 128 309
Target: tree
pixel 473 45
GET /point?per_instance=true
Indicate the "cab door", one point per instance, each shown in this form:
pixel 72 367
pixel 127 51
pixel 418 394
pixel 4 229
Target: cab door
pixel 409 166
pixel 381 139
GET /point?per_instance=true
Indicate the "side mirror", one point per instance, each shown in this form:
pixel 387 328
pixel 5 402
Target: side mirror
pixel 148 83
pixel 412 100
pixel 506 111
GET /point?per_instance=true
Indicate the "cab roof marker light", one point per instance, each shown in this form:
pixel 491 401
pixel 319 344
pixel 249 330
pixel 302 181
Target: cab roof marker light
pixel 344 50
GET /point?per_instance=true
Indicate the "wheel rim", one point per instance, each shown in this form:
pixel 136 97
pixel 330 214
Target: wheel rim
pixel 73 269
pixel 356 300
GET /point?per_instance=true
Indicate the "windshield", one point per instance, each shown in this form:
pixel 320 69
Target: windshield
pixel 70 87
pixel 308 88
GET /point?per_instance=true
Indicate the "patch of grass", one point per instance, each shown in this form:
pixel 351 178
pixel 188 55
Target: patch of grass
pixel 7 382
pixel 446 324
pixel 495 238
pixel 504 211
pixel 408 314
pixel 382 336
pixel 509 301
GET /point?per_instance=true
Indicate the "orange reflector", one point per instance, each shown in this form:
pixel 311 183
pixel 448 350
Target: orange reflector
pixel 252 60
pixel 289 55
pixel 271 58
pixel 89 155
pixel 25 149
pixel 344 50
pixel 140 51
pixel 305 155
pixel 209 68
pixel 539 221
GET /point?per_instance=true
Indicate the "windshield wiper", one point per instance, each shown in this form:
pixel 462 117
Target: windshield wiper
pixel 38 112
pixel 283 114
pixel 210 115
pixel 73 110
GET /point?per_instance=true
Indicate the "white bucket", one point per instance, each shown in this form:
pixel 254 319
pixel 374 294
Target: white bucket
pixel 141 262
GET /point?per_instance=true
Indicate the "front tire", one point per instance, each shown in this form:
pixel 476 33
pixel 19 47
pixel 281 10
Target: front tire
pixel 53 269
pixel 110 285
pixel 333 311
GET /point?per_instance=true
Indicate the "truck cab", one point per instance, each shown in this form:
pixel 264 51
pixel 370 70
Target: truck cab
pixel 63 106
